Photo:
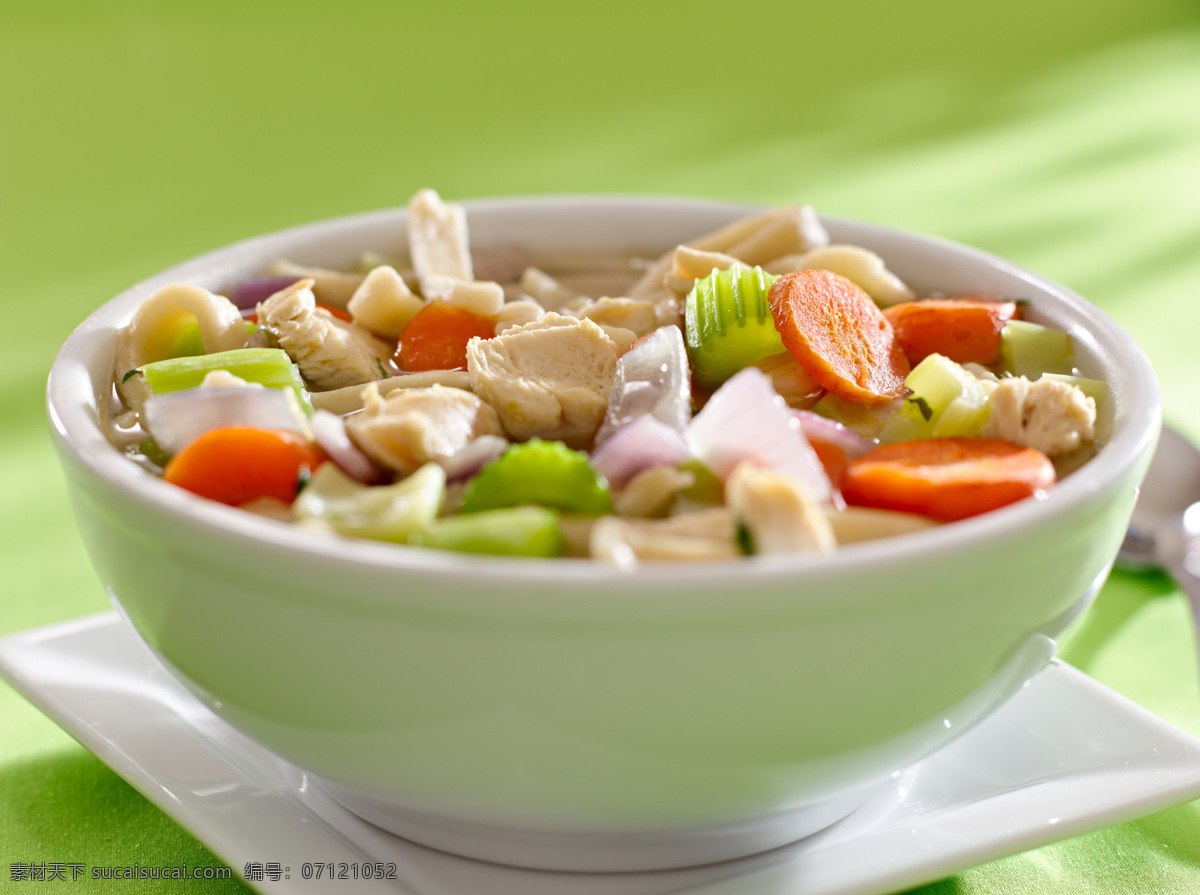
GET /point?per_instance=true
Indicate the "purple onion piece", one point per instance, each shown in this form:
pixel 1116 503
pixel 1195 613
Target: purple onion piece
pixel 249 293
pixel 475 455
pixel 652 378
pixel 745 420
pixel 642 444
pixel 819 428
pixel 178 418
pixel 329 432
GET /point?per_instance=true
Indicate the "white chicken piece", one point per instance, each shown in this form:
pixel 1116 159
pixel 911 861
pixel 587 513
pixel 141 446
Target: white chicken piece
pixel 383 303
pixel 330 354
pixel 780 513
pixel 1052 416
pixel 547 379
pixel 482 298
pixel 437 239
pixel 413 426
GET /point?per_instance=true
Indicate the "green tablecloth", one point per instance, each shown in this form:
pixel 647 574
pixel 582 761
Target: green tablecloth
pixel 1065 136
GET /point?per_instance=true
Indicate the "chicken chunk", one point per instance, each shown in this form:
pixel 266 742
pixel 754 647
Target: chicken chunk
pixel 437 239
pixel 384 303
pixel 1052 416
pixel 330 354
pixel 411 427
pixel 547 379
pixel 779 512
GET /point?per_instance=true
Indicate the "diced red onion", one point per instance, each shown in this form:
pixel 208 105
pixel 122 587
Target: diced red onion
pixel 475 455
pixel 652 378
pixel 745 420
pixel 329 432
pixel 642 444
pixel 176 419
pixel 249 293
pixel 819 428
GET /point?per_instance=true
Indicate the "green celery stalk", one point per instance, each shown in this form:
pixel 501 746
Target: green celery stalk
pixel 395 513
pixel 517 531
pixel 728 323
pixel 547 473
pixel 1096 389
pixel 1029 349
pixel 946 402
pixel 268 366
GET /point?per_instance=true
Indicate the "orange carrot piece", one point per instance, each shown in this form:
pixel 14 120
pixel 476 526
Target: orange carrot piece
pixel 836 333
pixel 966 330
pixel 436 338
pixel 833 458
pixel 236 464
pixel 946 478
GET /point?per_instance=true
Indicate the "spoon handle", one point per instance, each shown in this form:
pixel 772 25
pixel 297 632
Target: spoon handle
pixel 1190 584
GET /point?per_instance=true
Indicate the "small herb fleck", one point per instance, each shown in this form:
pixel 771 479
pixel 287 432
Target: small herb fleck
pixel 745 539
pixel 923 407
pixel 130 374
pixel 382 371
pixel 1022 302
pixel 303 478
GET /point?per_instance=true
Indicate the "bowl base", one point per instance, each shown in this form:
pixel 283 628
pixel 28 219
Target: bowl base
pixel 601 851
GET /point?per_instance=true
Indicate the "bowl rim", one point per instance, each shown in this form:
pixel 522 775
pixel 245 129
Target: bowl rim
pixel 69 399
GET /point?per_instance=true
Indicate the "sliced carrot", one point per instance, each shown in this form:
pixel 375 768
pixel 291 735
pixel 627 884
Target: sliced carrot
pixel 835 332
pixel 946 478
pixel 966 330
pixel 833 458
pixel 436 338
pixel 237 464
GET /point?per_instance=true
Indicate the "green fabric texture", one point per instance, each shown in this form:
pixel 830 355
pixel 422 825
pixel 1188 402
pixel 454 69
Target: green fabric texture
pixel 1063 136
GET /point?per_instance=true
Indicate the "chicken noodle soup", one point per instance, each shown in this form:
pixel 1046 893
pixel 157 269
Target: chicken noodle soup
pixel 756 390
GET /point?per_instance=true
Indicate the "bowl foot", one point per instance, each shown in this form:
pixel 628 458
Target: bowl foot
pixel 601 851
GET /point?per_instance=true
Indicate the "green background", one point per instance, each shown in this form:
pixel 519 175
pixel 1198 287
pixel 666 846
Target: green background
pixel 133 135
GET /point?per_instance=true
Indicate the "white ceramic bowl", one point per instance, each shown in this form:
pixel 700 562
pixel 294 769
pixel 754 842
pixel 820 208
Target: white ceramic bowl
pixel 560 713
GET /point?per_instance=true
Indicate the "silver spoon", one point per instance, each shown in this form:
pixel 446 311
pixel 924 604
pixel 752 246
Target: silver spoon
pixel 1164 532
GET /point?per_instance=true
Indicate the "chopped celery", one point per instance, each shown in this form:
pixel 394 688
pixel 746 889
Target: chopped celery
pixel 187 342
pixel 384 512
pixel 1096 389
pixel 707 487
pixel 269 366
pixel 517 531
pixel 539 472
pixel 728 323
pixel 1030 350
pixel 946 402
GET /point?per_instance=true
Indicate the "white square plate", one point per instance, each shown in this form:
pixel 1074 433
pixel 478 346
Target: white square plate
pixel 1063 757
